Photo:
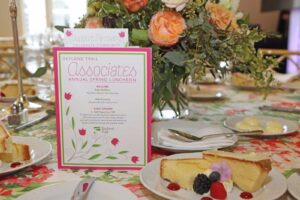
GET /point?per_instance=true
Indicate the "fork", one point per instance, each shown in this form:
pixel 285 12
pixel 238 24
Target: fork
pixel 231 134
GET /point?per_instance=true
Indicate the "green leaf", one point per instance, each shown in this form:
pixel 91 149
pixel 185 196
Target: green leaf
pixel 139 35
pixel 61 28
pixel 73 144
pixel 110 8
pixel 123 152
pixel 40 72
pixel 73 123
pixel 94 157
pixel 68 110
pixel 111 158
pixel 96 145
pixel 84 144
pixel 176 57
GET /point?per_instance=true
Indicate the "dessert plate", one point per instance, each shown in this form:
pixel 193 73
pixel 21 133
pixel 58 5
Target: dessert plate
pixel 287 126
pixel 206 92
pixel 46 98
pixel 275 187
pixel 39 150
pixel 162 138
pixel 99 190
pixel 9 91
pixel 293 185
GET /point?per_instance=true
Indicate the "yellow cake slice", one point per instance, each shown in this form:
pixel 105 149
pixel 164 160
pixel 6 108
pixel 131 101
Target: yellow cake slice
pixel 5 140
pixel 20 152
pixel 249 171
pixel 183 171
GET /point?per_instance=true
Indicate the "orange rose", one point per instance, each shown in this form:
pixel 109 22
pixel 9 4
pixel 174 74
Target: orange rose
pixel 134 5
pixel 166 27
pixel 220 17
pixel 93 22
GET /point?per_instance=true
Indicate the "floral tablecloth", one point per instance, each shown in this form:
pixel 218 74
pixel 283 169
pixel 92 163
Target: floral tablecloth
pixel 284 151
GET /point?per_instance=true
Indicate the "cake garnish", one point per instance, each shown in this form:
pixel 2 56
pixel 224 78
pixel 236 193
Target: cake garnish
pixel 246 195
pixel 218 191
pixel 201 184
pixel 223 168
pixel 214 176
pixel 173 186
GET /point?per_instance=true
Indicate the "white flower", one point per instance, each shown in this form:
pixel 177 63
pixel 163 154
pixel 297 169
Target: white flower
pixel 178 4
pixel 231 5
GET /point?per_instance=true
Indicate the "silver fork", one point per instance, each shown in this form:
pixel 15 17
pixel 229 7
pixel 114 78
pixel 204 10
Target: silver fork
pixel 231 134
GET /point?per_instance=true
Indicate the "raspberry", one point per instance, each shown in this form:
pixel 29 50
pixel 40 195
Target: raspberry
pixel 201 184
pixel 218 191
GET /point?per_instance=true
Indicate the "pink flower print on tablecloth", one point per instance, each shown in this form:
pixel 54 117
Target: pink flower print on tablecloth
pixel 68 96
pixel 5 192
pixel 232 112
pixel 287 104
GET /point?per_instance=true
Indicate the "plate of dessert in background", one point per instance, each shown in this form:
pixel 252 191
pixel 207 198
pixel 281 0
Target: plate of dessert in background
pixel 270 126
pixel 202 92
pixel 9 91
pixel 18 152
pixel 293 185
pixel 213 175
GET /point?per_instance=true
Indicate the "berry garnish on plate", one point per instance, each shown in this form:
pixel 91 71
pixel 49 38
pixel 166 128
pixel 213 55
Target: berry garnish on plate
pixel 214 176
pixel 217 190
pixel 201 184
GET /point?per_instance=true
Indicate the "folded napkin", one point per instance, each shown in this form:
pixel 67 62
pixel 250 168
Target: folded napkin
pixel 167 138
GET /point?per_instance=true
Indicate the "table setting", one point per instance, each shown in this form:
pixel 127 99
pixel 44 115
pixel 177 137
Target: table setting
pixel 138 108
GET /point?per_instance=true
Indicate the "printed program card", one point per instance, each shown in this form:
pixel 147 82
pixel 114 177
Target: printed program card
pixel 103 107
pixel 103 37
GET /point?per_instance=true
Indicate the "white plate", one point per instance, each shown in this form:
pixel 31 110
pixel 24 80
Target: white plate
pixel 39 149
pixel 151 179
pixel 288 126
pixel 187 126
pixel 99 190
pixel 46 97
pixel 205 92
pixel 294 185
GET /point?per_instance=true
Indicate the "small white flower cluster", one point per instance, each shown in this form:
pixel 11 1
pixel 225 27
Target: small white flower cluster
pixel 178 4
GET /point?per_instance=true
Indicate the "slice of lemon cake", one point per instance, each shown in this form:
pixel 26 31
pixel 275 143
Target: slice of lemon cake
pixel 249 171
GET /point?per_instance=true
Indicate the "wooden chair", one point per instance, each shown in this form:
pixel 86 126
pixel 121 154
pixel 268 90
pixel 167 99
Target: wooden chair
pixel 282 55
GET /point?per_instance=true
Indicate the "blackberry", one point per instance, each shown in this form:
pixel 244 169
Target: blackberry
pixel 201 184
pixel 214 176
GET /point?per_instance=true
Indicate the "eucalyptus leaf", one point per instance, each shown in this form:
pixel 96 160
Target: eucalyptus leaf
pixel 176 57
pixel 40 72
pixel 61 28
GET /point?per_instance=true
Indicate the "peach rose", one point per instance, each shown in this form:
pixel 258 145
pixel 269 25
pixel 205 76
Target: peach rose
pixel 220 17
pixel 166 27
pixel 134 5
pixel 93 22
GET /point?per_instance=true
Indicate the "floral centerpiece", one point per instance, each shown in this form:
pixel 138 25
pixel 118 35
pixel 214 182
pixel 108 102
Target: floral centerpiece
pixel 188 37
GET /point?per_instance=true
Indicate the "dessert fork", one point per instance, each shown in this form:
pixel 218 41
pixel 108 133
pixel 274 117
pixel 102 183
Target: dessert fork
pixel 231 134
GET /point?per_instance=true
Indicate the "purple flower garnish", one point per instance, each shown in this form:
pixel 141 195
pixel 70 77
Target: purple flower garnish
pixel 223 168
